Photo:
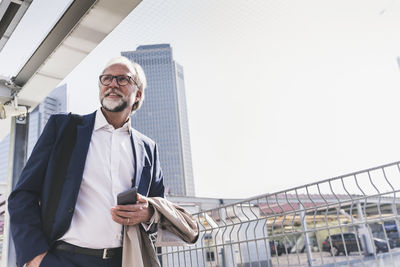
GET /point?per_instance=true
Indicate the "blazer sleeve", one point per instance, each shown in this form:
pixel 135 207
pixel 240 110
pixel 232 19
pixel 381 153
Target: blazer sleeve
pixel 24 201
pixel 157 181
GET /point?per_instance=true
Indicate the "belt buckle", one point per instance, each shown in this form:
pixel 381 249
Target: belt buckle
pixel 105 256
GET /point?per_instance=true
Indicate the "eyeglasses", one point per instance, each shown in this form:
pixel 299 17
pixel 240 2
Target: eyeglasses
pixel 106 79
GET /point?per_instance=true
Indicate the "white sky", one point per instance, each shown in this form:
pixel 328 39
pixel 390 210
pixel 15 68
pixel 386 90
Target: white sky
pixel 280 93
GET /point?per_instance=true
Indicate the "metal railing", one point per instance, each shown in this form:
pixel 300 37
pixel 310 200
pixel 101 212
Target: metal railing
pixel 351 220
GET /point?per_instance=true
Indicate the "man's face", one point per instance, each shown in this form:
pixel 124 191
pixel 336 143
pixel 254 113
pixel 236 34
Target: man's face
pixel 114 97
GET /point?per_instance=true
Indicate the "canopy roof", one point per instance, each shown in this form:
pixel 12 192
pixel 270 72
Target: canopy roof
pixel 81 27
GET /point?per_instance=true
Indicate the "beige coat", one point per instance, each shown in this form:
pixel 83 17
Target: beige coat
pixel 176 227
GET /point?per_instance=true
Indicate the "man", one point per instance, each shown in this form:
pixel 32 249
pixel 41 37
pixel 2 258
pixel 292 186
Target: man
pixel 109 157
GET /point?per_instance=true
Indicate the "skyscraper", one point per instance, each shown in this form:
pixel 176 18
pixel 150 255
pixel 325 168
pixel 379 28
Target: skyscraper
pixel 55 102
pixel 163 115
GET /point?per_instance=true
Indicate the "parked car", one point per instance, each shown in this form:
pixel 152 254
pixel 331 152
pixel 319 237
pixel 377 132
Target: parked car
pixel 387 229
pixel 276 248
pixel 352 243
pixel 382 246
pixel 349 242
pixel 394 237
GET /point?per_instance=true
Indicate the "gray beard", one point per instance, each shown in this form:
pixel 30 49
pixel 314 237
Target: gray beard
pixel 117 108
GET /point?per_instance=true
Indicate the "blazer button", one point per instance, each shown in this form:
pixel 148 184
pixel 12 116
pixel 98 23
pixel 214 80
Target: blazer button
pixel 70 210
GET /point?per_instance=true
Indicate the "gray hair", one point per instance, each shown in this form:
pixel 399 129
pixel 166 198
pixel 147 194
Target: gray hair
pixel 138 76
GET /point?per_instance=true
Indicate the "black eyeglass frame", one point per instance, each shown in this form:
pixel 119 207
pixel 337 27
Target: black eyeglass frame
pixel 116 78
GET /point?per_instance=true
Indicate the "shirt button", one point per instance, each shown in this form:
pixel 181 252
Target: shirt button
pixel 70 210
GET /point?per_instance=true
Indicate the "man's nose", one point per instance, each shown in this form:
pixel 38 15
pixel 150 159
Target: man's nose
pixel 114 82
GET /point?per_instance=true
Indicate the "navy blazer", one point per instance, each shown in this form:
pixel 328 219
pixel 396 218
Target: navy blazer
pixel 28 201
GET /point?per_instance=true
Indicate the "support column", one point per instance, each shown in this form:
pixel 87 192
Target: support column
pixel 365 235
pixel 16 162
pixel 307 244
pixel 395 213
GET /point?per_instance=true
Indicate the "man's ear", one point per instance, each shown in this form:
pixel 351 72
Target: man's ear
pixel 138 96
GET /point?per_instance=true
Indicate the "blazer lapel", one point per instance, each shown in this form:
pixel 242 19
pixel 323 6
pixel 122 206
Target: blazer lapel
pixel 78 159
pixel 139 156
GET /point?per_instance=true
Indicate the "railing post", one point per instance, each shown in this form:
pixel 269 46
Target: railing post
pixel 269 255
pixel 223 220
pixel 17 160
pixel 306 236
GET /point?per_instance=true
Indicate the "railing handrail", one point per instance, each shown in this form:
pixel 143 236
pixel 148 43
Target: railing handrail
pixel 268 195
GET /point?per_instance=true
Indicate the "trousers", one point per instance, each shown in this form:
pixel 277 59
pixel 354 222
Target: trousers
pixel 59 258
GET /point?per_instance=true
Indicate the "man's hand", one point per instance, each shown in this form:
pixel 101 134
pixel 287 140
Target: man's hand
pixel 134 214
pixel 35 262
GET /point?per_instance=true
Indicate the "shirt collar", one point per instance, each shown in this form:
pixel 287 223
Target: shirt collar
pixel 101 122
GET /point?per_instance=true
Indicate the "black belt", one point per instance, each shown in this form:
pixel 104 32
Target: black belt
pixel 105 253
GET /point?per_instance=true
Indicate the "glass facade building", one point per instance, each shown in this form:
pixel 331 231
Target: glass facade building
pixel 163 115
pixel 55 102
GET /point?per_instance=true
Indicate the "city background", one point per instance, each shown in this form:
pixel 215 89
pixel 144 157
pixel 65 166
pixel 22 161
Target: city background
pixel 278 92
pixel 253 104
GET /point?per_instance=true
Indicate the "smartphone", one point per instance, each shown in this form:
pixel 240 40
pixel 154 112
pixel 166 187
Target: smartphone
pixel 127 197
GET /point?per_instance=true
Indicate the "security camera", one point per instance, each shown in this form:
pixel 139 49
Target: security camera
pixel 9 110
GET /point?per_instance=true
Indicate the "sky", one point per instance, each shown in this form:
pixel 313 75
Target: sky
pixel 279 93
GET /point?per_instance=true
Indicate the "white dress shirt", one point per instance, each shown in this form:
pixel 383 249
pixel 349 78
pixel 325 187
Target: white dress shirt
pixel 108 171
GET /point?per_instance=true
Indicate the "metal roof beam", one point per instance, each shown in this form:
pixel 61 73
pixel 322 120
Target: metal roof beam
pixel 11 13
pixel 60 31
pixel 84 24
